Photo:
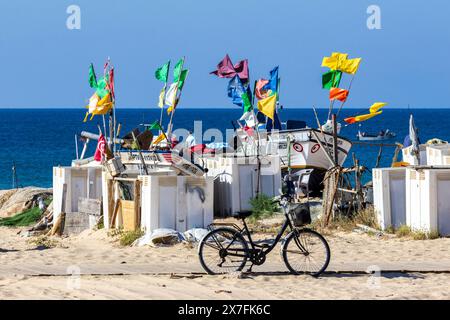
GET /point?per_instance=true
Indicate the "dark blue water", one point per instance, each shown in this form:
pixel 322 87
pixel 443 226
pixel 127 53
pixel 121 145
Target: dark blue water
pixel 38 139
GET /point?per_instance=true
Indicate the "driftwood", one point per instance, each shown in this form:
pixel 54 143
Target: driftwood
pixel 58 226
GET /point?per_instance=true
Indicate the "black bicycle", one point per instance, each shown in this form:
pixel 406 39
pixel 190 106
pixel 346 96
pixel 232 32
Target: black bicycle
pixel 224 249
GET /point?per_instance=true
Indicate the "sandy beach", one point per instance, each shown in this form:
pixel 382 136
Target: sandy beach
pixel 92 265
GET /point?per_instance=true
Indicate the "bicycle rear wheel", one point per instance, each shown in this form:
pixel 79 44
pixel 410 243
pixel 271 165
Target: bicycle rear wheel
pixel 306 252
pixel 223 250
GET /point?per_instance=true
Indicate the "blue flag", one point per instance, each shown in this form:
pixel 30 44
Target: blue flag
pixel 239 94
pixel 273 82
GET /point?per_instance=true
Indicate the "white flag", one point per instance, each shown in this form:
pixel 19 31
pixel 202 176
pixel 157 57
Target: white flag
pixel 171 95
pixel 249 118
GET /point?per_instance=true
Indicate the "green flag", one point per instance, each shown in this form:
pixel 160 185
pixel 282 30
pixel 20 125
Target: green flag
pixel 331 79
pixel 92 77
pixel 102 87
pixel 177 70
pixel 155 125
pixel 162 72
pixel 183 77
pixel 247 104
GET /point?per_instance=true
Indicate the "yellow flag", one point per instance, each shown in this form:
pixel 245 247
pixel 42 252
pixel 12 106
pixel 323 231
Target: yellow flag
pixel 161 97
pixel 159 139
pixel 335 61
pixel 267 106
pixel 350 65
pixel 365 117
pixel 377 106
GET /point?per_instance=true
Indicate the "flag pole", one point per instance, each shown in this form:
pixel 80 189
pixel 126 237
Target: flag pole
pixel 176 101
pixel 343 102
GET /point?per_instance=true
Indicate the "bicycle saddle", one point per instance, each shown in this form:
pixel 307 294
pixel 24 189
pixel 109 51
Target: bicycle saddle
pixel 242 214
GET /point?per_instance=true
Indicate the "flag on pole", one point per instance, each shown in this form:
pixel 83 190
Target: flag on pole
pixel 362 117
pixel 267 106
pixel 92 77
pixel 178 70
pixel 239 94
pixel 273 81
pixel 155 125
pixel 182 78
pixel 111 83
pixel 261 93
pixel 338 94
pixel 162 73
pixel 100 150
pixel 414 138
pixel 171 94
pixel 331 79
pixel 226 69
pixel 159 139
pixel 161 97
pixel 377 106
pixel 249 118
pixel 339 61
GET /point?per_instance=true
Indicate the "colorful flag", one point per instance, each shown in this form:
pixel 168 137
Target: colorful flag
pixel 338 94
pixel 239 94
pixel 161 97
pixel 350 66
pixel 100 151
pixel 177 70
pixel 339 61
pixel 92 77
pixel 334 61
pixel 226 69
pixel 331 79
pixel 182 78
pixel 155 125
pixel 259 91
pixel 249 118
pixel 273 81
pixel 362 117
pixel 162 73
pixel 171 94
pixel 377 106
pixel 159 138
pixel 267 106
pixel 111 83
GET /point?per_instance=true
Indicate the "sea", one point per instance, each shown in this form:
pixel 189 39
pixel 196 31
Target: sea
pixel 36 140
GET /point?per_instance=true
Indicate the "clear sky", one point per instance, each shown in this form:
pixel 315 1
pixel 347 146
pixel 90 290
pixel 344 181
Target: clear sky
pixel 44 64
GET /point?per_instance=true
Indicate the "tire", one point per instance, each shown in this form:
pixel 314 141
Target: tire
pixel 223 241
pixel 318 252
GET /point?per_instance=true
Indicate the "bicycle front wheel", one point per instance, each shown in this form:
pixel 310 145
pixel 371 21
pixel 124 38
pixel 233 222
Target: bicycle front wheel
pixel 223 250
pixel 306 252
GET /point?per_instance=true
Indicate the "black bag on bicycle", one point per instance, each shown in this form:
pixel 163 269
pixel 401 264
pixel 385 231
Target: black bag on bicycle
pixel 300 214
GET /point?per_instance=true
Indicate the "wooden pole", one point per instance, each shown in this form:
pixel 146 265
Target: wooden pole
pixel 335 148
pixel 176 102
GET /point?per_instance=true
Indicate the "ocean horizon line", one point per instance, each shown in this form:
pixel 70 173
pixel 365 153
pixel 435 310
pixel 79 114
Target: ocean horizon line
pixel 213 108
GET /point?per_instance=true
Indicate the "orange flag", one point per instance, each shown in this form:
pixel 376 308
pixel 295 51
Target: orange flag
pixel 338 94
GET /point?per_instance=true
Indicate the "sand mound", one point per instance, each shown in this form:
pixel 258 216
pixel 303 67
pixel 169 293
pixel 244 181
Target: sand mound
pixel 17 200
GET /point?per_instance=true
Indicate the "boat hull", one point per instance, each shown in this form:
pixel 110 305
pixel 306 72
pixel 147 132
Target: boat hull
pixel 306 148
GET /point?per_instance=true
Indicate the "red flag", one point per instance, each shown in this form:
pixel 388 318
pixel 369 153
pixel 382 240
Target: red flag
pixel 259 91
pixel 226 69
pixel 111 83
pixel 338 94
pixel 100 150
pixel 249 130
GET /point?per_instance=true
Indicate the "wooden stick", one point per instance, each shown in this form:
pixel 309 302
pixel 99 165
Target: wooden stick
pixel 114 215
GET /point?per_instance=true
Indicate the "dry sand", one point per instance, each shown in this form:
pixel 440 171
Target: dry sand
pixel 97 249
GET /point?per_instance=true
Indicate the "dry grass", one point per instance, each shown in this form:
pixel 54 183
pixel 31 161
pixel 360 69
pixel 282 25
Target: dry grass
pixel 406 232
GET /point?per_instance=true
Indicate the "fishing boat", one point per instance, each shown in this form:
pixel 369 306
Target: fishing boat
pixel 298 148
pixel 382 135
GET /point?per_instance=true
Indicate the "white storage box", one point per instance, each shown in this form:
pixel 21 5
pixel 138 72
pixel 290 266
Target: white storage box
pixel 178 203
pixel 389 195
pixel 236 181
pixel 438 155
pixel 82 182
pixel 428 200
pixel 408 157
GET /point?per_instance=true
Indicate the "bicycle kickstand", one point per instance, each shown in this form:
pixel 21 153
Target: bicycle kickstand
pixel 250 268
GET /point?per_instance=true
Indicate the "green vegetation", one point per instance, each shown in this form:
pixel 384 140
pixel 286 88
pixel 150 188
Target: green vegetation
pixel 128 237
pixel 22 219
pixel 365 217
pixel 262 207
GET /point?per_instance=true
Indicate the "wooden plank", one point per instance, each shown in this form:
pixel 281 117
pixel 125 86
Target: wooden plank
pixel 90 206
pixel 128 215
pixel 114 215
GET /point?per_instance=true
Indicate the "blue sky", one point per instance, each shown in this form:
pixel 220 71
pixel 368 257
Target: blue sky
pixel 43 64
